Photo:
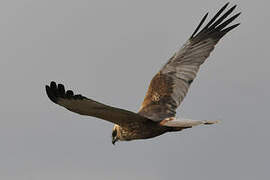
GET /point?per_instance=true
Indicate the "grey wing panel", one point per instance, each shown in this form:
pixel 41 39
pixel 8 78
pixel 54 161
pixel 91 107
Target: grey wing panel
pixel 169 87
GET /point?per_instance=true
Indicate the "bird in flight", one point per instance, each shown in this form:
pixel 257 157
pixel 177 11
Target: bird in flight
pixel 166 91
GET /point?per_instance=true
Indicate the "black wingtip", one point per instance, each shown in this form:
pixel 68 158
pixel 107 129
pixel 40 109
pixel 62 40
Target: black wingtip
pixel 61 90
pixel 200 24
pixel 53 85
pixel 55 92
pixel 224 31
pixel 215 27
pixel 228 21
pixel 50 93
pixel 222 17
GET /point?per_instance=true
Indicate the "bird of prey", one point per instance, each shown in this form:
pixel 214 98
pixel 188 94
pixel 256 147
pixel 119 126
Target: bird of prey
pixel 166 91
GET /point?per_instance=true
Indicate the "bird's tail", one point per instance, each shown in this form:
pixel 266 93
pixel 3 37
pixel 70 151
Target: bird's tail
pixel 185 123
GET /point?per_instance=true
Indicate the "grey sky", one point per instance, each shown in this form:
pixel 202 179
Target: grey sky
pixel 109 51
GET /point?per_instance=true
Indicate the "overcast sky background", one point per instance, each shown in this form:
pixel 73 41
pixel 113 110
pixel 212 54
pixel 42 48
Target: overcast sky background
pixel 109 51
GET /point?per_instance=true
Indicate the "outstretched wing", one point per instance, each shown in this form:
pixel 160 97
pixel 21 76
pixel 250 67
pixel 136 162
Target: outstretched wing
pixel 169 87
pixel 84 106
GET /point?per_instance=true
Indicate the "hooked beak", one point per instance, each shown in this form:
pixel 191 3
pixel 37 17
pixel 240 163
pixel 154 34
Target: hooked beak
pixel 114 140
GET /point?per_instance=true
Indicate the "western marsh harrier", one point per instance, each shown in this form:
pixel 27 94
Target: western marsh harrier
pixel 165 93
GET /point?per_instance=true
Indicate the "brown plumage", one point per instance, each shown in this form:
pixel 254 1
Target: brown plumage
pixel 165 93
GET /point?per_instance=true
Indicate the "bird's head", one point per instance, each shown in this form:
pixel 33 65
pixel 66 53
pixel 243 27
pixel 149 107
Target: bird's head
pixel 115 134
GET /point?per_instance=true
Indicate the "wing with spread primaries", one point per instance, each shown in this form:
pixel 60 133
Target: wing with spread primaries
pixel 84 106
pixel 170 85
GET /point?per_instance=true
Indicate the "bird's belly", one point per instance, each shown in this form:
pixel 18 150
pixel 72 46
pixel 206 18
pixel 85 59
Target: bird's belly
pixel 143 132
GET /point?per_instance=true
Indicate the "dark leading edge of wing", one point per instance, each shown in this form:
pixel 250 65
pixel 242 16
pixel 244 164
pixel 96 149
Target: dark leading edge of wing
pixel 55 92
pixel 215 28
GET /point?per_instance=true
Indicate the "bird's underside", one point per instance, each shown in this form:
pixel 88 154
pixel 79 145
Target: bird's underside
pixel 166 90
